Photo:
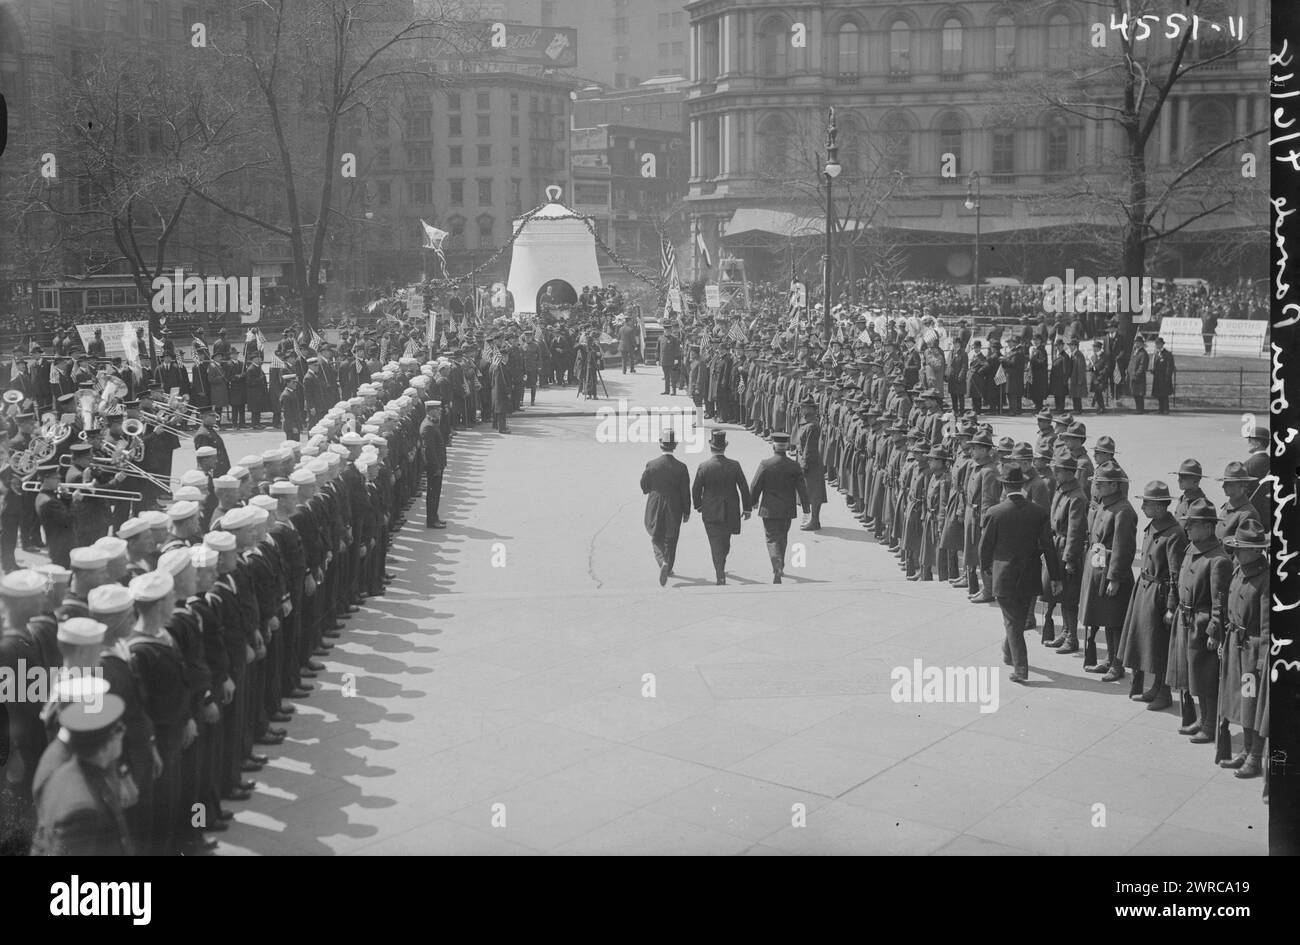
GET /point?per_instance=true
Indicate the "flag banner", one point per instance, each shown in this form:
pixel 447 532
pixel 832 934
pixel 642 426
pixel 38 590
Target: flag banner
pixel 865 336
pixel 737 334
pixel 669 260
pixel 704 248
pixel 1000 376
pixel 442 341
pixel 433 238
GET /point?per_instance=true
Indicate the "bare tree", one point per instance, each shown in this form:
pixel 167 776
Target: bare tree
pixel 315 69
pixel 132 146
pixel 1127 86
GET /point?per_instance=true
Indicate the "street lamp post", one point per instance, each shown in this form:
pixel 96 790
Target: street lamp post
pixel 831 171
pixel 973 203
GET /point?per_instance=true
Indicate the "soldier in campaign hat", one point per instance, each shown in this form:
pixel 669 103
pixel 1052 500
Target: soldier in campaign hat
pixel 1244 651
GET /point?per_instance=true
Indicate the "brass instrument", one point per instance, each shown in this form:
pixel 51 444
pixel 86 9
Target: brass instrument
pixel 23 462
pixel 160 422
pixel 120 463
pixel 88 490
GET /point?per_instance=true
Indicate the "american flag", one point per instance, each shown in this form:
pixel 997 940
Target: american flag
pixel 1000 376
pixel 737 334
pixel 669 259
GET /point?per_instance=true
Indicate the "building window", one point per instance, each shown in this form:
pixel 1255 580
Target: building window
pixel 453 126
pixel 1058 41
pixel 484 125
pixel 775 144
pixel 897 135
pixel 848 49
pixel 384 193
pixel 484 192
pixel 773 40
pixel 485 227
pixel 484 155
pixel 455 155
pixel 421 192
pixel 664 21
pixel 952 42
pixel 678 50
pixel 1004 44
pixel 457 192
pixel 1058 146
pixel 455 232
pixel 1004 156
pixel 483 100
pixel 516 193
pixel 418 126
pixel 514 126
pixel 382 158
pixel 514 101
pixel 514 156
pixel 900 48
pixel 453 101
pixel 950 141
pixel 421 156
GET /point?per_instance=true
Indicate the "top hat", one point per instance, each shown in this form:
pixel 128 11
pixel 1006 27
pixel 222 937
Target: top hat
pixel 718 440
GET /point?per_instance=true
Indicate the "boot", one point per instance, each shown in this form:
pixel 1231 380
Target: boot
pixel 1135 690
pixel 985 596
pixel 1187 706
pixel 1253 766
pixel 1070 644
pixel 1161 700
pixel 1115 668
pixel 927 574
pixel 1205 728
pixel 1049 631
pixel 1239 759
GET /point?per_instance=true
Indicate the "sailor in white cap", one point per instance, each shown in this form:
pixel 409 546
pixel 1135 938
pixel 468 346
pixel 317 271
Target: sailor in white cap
pixel 186 525
pixel 88 572
pixel 160 666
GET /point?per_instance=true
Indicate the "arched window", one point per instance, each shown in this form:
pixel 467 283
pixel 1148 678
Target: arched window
pixel 1058 40
pixel 1004 44
pixel 897 134
pixel 1004 156
pixel 952 36
pixel 772 48
pixel 455 232
pixel 848 59
pixel 485 226
pixel 900 48
pixel 950 129
pixel 1058 146
pixel 775 143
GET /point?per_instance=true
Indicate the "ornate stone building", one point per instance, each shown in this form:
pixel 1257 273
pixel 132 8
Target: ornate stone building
pixel 927 92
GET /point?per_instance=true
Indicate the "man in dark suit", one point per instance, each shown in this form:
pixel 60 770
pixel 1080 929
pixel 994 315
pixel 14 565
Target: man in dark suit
pixel 1163 375
pixel 778 482
pixel 208 436
pixel 668 485
pixel 1015 542
pixel 1138 363
pixel 718 494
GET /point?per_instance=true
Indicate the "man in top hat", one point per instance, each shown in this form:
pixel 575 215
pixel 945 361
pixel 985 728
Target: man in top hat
pixel 1257 465
pixel 629 339
pixel 777 484
pixel 1015 544
pixel 667 484
pixel 1144 643
pixel 1196 611
pixel 1239 486
pixel 434 453
pixel 78 803
pixel 1244 650
pixel 808 447
pixel 719 494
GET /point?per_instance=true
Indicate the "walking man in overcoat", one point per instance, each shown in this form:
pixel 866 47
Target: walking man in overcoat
pixel 778 482
pixel 668 506
pixel 721 496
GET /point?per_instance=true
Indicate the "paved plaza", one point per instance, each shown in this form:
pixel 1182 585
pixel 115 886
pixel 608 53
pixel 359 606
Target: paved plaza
pixel 527 687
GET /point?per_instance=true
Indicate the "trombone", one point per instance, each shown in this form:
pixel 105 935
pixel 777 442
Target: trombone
pixel 159 420
pixel 121 464
pixel 88 490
